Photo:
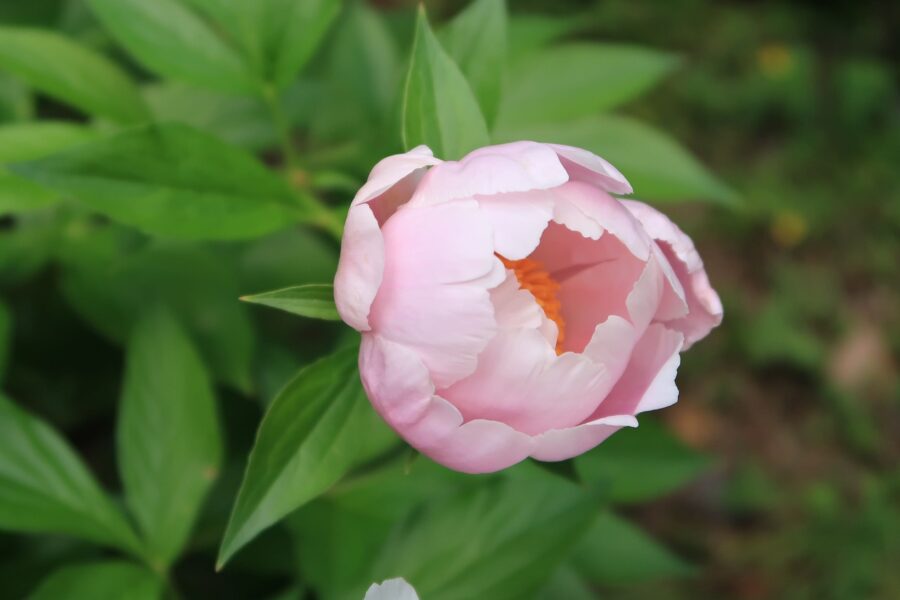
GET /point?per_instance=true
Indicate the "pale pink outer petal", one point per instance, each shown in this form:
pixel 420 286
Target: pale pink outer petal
pixel 583 208
pixel 561 444
pixel 392 169
pixel 360 268
pixel 518 220
pixel 434 296
pixel 648 383
pixel 522 382
pixel 391 589
pixel 400 389
pixel 587 166
pixel 704 305
pixel 505 168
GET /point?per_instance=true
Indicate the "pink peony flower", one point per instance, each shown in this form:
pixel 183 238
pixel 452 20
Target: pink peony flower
pixel 510 306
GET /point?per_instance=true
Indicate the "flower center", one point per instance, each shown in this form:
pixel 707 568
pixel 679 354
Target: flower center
pixel 532 277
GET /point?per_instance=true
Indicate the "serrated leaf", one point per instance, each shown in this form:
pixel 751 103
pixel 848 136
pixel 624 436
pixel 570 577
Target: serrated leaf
pixel 71 73
pixel 109 286
pixel 658 167
pixel 641 464
pixel 169 445
pixel 171 40
pixel 476 39
pixel 577 80
pixel 315 301
pixel 501 541
pixel 106 580
pixel 319 427
pixel 439 108
pixel 615 551
pixel 44 486
pixel 173 181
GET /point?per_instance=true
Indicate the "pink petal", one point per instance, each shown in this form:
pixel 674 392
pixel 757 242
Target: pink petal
pixel 515 167
pixel 583 208
pixel 518 220
pixel 360 268
pixel 704 309
pixel 648 382
pixel 398 385
pixel 587 166
pixel 595 279
pixel 439 266
pixel 392 169
pixel 560 444
pixel 522 382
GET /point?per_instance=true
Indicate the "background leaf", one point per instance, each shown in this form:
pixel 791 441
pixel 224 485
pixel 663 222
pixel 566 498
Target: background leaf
pixel 615 551
pixel 70 73
pixel 171 180
pixel 107 580
pixel 657 166
pixel 6 325
pixel 319 427
pixel 576 80
pixel 168 442
pixel 641 464
pixel 172 41
pixel 439 109
pixel 482 543
pixel 315 301
pixel 28 141
pixel 476 40
pixel 278 37
pixel 44 487
pixel 109 286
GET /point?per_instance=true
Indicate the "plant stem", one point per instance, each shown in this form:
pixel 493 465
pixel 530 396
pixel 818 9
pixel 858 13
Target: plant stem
pixel 282 127
pixel 322 216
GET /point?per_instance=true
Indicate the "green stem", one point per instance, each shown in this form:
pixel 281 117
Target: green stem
pixel 322 216
pixel 282 127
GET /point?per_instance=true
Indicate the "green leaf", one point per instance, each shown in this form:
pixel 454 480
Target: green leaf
pixel 319 427
pixel 44 486
pixel 641 464
pixel 531 32
pixel 566 583
pixel 338 535
pixel 315 301
pixel 439 108
pixel 5 337
pixel 27 141
pixel 238 119
pixel 657 166
pixel 169 445
pixel 614 551
pixel 501 540
pixel 70 73
pixel 172 41
pixel 108 287
pixel 576 80
pixel 106 580
pixel 173 181
pixel 476 40
pixel 362 82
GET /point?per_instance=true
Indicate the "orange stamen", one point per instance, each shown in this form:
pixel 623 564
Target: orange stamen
pixel 535 279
